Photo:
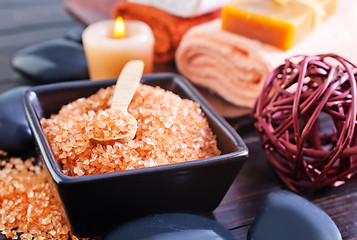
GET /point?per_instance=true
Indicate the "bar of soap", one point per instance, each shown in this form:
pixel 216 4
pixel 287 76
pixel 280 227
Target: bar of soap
pixel 278 23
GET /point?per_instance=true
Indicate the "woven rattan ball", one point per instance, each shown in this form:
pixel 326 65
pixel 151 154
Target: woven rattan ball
pixel 306 119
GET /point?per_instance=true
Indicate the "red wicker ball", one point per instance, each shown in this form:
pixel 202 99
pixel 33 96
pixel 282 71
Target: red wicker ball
pixel 306 119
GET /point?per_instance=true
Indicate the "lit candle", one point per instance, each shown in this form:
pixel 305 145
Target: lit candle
pixel 109 46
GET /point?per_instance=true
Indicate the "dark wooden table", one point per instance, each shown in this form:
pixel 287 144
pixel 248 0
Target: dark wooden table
pixel 23 23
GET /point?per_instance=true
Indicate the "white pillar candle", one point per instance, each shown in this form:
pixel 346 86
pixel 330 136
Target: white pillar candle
pixel 106 55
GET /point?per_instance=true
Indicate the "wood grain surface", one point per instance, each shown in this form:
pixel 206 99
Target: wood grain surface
pixel 23 23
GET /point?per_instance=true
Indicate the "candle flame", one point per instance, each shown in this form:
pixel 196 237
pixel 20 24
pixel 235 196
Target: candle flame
pixel 119 29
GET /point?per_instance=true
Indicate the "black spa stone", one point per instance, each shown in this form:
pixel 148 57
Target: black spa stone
pixel 74 34
pixel 55 60
pixel 171 226
pixel 285 215
pixel 15 137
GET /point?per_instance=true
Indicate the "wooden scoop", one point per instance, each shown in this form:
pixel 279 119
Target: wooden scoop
pixel 116 124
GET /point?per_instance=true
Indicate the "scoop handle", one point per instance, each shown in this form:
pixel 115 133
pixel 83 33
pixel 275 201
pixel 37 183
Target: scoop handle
pixel 127 83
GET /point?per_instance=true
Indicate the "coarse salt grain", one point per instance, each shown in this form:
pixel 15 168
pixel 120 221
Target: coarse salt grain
pixel 170 130
pixel 29 204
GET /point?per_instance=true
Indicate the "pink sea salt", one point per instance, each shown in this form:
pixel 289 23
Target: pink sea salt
pixel 170 130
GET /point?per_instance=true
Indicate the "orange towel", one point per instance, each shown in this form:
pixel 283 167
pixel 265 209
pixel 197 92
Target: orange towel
pixel 167 28
pixel 235 67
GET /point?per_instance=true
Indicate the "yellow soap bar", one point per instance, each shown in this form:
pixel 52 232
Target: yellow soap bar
pixel 280 24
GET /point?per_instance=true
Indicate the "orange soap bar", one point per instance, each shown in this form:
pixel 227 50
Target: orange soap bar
pixel 279 23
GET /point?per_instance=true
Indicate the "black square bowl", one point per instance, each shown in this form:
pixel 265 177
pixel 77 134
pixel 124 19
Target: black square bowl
pixel 95 204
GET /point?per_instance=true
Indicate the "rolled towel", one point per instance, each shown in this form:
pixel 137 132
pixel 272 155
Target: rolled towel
pixel 184 8
pixel 235 67
pixel 226 63
pixel 167 28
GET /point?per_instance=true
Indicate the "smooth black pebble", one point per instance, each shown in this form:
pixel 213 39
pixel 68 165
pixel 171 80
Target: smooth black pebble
pixel 55 60
pixel 16 137
pixel 286 215
pixel 171 226
pixel 74 34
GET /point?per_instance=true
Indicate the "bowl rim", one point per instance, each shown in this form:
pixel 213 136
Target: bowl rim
pixel 60 178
